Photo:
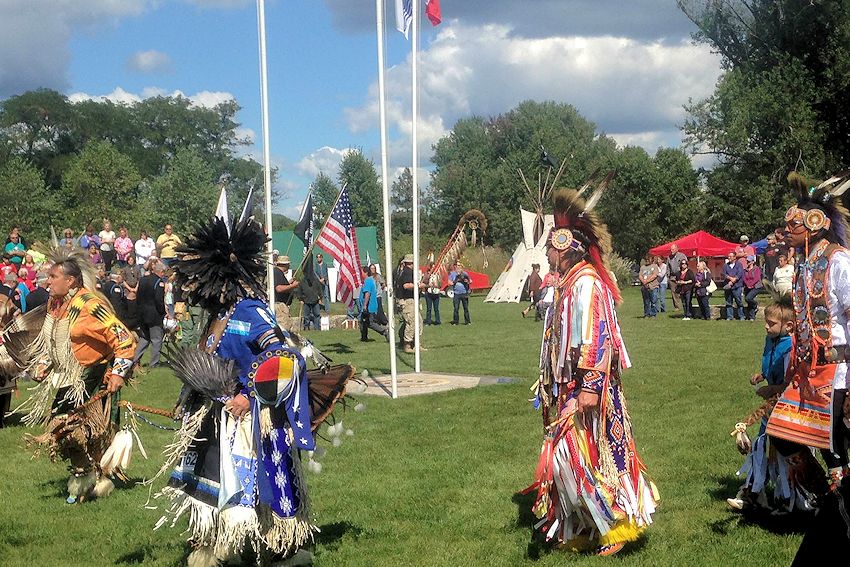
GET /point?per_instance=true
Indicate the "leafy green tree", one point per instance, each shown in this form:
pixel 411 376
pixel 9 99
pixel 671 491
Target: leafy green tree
pixel 357 173
pixel 780 104
pixel 26 200
pixel 99 183
pixel 324 192
pixel 186 194
pixel 401 199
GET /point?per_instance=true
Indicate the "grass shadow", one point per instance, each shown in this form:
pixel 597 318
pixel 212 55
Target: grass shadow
pixel 330 534
pixel 337 348
pixel 58 487
pixel 146 553
pixel 725 486
pixel 786 524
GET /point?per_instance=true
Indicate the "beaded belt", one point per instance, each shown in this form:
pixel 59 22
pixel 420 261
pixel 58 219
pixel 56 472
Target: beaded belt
pixel 836 354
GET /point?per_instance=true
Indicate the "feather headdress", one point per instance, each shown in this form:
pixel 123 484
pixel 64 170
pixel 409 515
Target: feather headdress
pixel 814 197
pixel 218 267
pixel 575 221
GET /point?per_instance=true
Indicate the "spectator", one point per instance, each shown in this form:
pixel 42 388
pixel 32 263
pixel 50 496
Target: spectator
pixel 432 295
pixel 533 285
pixel 6 267
pixel 39 295
pixel 674 260
pixel 685 287
pixel 662 283
pixel 369 307
pixel 382 287
pixel 123 247
pixel 68 240
pixel 733 278
pixel 460 286
pixel 94 254
pixel 88 238
pixel 144 246
pixel 648 277
pixel 16 248
pixel 16 231
pixel 743 250
pixel 547 292
pixel 150 302
pixel 29 263
pixel 321 270
pixel 27 278
pixel 16 291
pixel 310 291
pixel 131 274
pixel 702 279
pixel 783 277
pixel 774 250
pixel 752 287
pixel 116 294
pixel 107 245
pixel 166 245
pixel 283 290
pixel 405 283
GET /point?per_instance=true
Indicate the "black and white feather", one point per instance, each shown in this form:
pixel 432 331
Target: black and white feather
pixel 209 375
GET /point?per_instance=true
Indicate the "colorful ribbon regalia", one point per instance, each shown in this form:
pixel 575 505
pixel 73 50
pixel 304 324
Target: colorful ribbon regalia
pixel 591 485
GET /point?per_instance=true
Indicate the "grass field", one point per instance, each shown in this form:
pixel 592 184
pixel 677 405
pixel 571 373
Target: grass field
pixel 434 480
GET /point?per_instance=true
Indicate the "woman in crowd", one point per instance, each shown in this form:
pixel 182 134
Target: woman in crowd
pixel 107 245
pixel 649 286
pixel 752 287
pixel 702 279
pixel 123 247
pixel 132 273
pixel 145 247
pixel 685 288
pixel 782 276
pixel 662 284
pixel 94 255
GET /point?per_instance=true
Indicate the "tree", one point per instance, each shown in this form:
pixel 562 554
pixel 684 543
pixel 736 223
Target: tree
pixel 26 200
pixel 99 183
pixel 324 192
pixel 186 194
pixel 780 104
pixel 402 203
pixel 358 174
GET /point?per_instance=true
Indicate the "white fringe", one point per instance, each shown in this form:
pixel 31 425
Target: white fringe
pixel 203 556
pixel 184 437
pixel 103 488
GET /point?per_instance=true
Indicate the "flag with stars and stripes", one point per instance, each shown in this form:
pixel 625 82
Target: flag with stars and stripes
pixel 339 239
pixel 403 16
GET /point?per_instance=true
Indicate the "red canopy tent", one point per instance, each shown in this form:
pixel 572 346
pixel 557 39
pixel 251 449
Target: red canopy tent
pixel 699 244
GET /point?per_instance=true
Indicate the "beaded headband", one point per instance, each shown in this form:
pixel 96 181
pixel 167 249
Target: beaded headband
pixel 813 219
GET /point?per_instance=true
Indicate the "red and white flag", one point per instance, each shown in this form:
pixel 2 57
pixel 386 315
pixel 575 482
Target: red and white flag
pixel 432 10
pixel 339 239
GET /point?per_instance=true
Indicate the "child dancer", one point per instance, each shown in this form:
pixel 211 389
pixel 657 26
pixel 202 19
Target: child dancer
pixel 762 464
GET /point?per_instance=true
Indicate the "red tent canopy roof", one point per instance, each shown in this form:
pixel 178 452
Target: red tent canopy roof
pixel 699 243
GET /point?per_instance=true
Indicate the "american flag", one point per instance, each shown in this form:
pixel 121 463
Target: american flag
pixel 339 239
pixel 403 16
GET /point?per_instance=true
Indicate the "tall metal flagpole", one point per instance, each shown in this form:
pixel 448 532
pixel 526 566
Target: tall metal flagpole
pixel 267 172
pixel 385 181
pixel 417 319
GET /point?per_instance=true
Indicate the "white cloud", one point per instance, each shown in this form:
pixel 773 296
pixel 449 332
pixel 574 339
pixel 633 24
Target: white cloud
pixel 150 62
pixel 205 99
pixel 325 159
pixel 633 88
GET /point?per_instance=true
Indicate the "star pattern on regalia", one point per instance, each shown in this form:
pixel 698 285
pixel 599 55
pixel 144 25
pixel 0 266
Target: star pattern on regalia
pixel 277 457
pixel 303 441
pixel 280 479
pixel 273 435
pixel 285 505
pixel 299 425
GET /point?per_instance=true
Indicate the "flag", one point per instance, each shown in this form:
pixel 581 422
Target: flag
pixel 304 228
pixel 403 16
pixel 432 10
pixel 221 208
pixel 248 208
pixel 339 239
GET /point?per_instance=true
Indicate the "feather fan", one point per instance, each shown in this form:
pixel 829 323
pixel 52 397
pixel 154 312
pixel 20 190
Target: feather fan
pixel 207 374
pixel 326 389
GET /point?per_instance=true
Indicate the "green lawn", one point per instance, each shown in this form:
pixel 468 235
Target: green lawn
pixel 434 480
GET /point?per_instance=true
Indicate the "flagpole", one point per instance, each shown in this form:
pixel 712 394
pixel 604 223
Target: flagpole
pixel 267 172
pixel 414 71
pixel 385 181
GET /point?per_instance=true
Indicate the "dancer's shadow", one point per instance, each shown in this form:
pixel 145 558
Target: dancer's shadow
pixel 727 486
pixel 338 348
pixel 331 534
pixel 58 487
pixel 145 554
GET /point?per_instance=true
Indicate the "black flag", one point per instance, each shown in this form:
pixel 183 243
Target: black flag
pixel 304 227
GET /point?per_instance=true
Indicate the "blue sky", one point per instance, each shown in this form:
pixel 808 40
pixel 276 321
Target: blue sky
pixel 627 66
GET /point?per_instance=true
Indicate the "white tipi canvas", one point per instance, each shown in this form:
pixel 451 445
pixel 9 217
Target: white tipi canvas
pixel 508 287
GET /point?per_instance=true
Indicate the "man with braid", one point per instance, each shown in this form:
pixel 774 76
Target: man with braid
pixel 592 490
pixel 814 409
pixel 81 359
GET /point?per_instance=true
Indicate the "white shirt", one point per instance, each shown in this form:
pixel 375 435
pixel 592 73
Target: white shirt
pixel 839 303
pixel 782 278
pixel 144 248
pixel 107 240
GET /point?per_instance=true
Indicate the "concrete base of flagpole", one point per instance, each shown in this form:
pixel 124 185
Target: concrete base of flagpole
pixel 417 383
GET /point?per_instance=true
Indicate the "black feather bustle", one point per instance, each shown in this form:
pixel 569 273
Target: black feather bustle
pixel 209 375
pixel 215 269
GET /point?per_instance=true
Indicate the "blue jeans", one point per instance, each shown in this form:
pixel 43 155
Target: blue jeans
pixel 662 297
pixel 312 317
pixel 432 301
pixel 735 294
pixel 704 308
pixel 752 302
pixel 458 301
pixel 650 301
pixel 687 303
pixel 326 298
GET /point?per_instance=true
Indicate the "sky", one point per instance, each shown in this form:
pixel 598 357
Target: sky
pixel 627 66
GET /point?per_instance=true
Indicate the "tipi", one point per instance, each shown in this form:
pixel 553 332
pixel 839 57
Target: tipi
pixel 535 229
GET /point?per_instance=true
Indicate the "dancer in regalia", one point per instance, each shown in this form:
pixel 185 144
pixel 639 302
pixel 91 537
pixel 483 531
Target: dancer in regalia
pixel 245 407
pixel 592 489
pixel 81 358
pixel 814 409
